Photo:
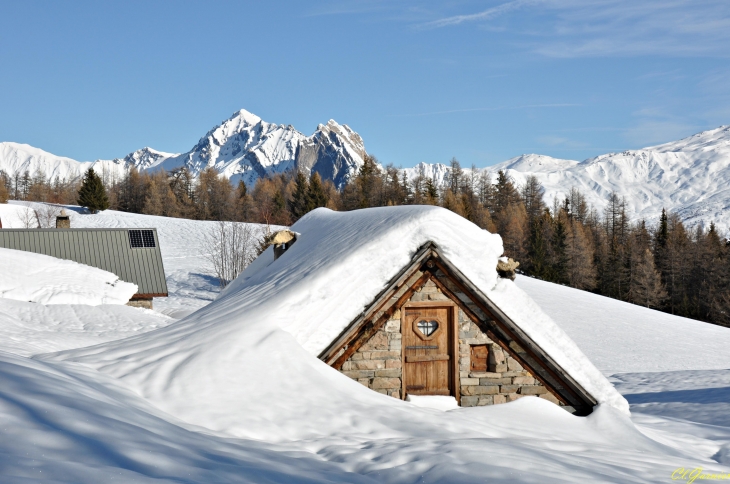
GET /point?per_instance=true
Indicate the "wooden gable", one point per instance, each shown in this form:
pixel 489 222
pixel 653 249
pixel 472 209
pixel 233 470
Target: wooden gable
pixel 368 335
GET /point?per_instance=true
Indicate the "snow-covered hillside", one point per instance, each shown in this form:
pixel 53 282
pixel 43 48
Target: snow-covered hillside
pixel 243 147
pixel 67 422
pixel 690 177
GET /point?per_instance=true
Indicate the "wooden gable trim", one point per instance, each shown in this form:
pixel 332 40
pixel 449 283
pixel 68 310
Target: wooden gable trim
pixel 362 328
pixel 569 391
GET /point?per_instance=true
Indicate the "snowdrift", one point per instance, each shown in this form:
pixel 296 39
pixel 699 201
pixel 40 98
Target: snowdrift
pixel 27 276
pixel 246 363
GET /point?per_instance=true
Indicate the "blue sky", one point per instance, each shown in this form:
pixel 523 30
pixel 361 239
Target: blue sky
pixel 420 81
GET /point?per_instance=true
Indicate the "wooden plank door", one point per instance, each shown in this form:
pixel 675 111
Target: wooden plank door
pixel 428 354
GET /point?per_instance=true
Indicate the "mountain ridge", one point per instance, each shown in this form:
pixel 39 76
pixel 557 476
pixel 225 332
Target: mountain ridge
pixel 690 176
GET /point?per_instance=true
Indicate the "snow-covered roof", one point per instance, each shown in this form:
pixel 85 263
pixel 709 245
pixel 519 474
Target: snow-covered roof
pixel 26 276
pixel 205 366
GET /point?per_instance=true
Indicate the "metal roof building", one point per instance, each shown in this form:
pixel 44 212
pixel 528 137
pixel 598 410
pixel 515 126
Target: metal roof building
pixel 132 254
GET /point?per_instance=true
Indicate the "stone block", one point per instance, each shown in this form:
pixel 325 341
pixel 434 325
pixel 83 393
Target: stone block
pixel 381 390
pixel 523 380
pixel 380 383
pixel 513 396
pixel 418 297
pixel 515 373
pixel 368 364
pixel 469 401
pixel 490 390
pixel 513 365
pixel 364 381
pixel 463 374
pixel 495 381
pixel 470 381
pixel 378 342
pixel 550 398
pixel 437 297
pixel 392 336
pixel 389 373
pixel 429 288
pixel 508 388
pixel 485 400
pixel 392 326
pixel 498 368
pixel 497 399
pixel 393 364
pixel 384 355
pixel 396 315
pixel 357 356
pixel 533 390
pixel 394 393
pixel 346 366
pixel 357 374
pixel 485 374
pixel 464 348
pixel 469 390
pixel 496 355
pixel 395 345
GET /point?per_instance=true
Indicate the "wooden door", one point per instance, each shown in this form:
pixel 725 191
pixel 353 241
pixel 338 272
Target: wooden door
pixel 428 354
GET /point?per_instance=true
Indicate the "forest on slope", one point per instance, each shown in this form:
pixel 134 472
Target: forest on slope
pixel 670 267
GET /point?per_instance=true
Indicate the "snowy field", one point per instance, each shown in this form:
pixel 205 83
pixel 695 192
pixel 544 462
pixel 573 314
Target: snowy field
pixel 91 415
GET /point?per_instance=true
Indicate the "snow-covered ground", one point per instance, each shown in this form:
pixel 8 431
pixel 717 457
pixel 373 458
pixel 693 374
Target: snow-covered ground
pixel 64 421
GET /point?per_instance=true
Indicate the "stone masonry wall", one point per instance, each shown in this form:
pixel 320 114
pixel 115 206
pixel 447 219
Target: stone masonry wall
pixel 377 364
pixel 506 380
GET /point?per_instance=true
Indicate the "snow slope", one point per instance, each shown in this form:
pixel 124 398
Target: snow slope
pixel 26 276
pixel 65 422
pixel 269 325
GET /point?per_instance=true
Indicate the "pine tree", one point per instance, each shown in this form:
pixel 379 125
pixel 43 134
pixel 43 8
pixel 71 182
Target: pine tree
pixel 316 195
pixel 299 203
pixel 92 193
pixel 647 287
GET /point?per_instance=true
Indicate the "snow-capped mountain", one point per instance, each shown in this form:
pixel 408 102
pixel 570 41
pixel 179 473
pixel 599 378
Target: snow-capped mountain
pixel 690 177
pixel 244 147
pixel 17 158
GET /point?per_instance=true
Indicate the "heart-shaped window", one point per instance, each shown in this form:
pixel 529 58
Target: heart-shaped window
pixel 427 327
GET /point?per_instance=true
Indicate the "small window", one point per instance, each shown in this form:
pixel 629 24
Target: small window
pixel 479 355
pixel 139 239
pixel 428 327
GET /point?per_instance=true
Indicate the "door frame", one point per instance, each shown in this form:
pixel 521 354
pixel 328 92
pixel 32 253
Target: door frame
pixel 452 341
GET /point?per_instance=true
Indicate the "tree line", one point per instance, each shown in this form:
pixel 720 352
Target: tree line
pixel 667 266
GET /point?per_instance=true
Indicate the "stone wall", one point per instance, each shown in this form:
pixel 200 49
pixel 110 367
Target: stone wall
pixel 504 381
pixel 140 303
pixel 377 364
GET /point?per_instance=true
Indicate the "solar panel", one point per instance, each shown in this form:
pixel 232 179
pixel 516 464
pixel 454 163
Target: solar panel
pixel 140 239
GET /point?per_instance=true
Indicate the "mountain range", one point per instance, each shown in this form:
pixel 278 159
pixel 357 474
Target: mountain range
pixel 243 147
pixel 690 176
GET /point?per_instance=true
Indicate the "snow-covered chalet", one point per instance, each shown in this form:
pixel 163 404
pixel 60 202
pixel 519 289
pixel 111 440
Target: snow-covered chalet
pixel 408 301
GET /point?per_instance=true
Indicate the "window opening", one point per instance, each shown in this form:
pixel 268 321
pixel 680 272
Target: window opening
pixel 427 327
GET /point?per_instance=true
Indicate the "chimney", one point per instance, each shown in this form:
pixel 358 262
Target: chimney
pixel 63 221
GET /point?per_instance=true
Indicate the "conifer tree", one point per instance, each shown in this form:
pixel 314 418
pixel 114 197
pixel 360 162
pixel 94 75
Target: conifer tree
pixel 316 195
pixel 92 193
pixel 299 204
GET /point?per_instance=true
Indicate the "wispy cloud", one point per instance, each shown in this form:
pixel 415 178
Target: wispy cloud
pixel 499 108
pixel 580 28
pixel 487 14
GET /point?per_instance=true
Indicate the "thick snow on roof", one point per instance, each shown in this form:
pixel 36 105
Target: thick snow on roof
pixel 27 276
pixel 246 363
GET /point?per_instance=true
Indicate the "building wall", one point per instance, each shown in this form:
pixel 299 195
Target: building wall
pixel 378 363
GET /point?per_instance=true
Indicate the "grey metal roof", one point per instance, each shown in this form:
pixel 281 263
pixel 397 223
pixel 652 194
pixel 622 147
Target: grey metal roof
pixel 108 249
